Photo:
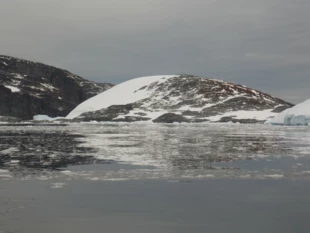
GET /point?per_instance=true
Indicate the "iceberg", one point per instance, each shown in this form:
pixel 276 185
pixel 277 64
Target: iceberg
pixel 298 115
pixel 46 118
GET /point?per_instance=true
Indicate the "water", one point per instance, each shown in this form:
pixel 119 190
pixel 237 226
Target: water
pixel 217 206
pixel 137 178
pixel 151 151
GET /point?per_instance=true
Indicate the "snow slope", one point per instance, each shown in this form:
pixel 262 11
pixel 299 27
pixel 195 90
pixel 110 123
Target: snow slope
pixel 179 98
pixel 298 115
pixel 124 93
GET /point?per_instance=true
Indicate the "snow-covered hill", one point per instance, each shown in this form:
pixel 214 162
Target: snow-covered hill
pixel 179 98
pixel 298 115
pixel 30 88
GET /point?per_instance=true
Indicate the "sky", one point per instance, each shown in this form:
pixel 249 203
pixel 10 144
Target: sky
pixel 264 44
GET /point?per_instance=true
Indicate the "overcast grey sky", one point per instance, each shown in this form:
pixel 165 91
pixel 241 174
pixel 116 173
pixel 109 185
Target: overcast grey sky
pixel 264 44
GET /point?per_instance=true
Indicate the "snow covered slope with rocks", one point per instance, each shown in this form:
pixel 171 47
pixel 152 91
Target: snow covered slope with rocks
pixel 179 98
pixel 30 88
pixel 298 115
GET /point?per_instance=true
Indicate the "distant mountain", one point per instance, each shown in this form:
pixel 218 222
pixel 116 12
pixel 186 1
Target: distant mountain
pixel 179 98
pixel 30 88
pixel 298 115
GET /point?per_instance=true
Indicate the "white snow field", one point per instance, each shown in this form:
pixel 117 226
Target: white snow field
pixel 298 115
pixel 123 93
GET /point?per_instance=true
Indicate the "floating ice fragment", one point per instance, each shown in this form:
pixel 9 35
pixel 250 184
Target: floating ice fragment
pixel 57 185
pixel 67 172
pixel 9 151
pixel 275 176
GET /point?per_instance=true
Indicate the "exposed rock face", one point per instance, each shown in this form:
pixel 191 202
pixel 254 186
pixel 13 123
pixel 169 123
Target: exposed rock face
pixel 30 88
pixel 183 98
pixel 170 118
pixel 111 113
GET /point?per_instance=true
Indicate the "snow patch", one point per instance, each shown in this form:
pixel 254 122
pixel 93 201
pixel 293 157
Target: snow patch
pixel 50 87
pixel 18 76
pixel 13 89
pixel 6 58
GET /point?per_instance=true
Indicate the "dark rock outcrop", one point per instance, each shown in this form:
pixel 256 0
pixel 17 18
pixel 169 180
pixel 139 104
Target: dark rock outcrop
pixel 30 88
pixel 170 118
pixel 114 113
pixel 106 114
pixel 236 120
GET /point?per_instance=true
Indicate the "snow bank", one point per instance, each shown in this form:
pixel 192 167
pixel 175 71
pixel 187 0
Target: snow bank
pixel 298 115
pixel 45 118
pixel 124 93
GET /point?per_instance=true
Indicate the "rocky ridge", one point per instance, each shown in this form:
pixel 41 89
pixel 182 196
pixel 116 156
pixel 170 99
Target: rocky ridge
pixel 30 88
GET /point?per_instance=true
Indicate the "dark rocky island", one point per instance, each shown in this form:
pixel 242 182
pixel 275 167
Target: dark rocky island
pixel 30 88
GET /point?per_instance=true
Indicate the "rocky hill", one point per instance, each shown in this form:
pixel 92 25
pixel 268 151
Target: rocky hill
pixel 179 98
pixel 30 88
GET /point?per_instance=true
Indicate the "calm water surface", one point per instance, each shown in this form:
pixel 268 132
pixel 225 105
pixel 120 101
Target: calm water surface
pixel 154 178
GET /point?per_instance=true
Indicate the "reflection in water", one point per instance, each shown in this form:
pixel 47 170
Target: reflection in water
pixel 205 150
pixel 25 151
pixel 158 151
pixel 219 147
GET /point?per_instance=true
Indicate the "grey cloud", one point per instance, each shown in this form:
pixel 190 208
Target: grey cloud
pixel 263 44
